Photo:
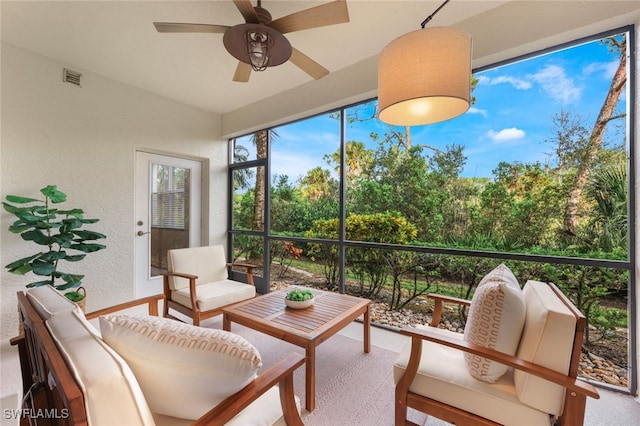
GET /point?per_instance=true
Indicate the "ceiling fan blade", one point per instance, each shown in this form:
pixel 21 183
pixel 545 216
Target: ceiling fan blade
pixel 248 12
pixel 243 71
pixel 307 64
pixel 320 16
pixel 175 27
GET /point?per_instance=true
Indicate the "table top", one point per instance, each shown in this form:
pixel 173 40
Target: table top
pixel 328 311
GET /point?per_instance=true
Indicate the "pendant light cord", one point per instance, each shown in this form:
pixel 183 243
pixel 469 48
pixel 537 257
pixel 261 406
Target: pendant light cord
pixel 426 21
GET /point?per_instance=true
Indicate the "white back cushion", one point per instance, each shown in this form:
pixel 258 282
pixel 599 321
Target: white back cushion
pixel 208 263
pixel 48 301
pixel 496 318
pixel 183 370
pixel 112 394
pixel 547 340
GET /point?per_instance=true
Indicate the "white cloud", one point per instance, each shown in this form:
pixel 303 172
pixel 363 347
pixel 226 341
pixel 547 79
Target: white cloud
pixel 482 112
pixel 505 79
pixel 555 82
pixel 607 69
pixel 506 135
pixel 515 82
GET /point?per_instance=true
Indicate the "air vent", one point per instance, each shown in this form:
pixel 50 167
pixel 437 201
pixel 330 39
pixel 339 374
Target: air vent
pixel 71 77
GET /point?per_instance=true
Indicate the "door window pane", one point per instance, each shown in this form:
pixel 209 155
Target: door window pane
pixel 170 199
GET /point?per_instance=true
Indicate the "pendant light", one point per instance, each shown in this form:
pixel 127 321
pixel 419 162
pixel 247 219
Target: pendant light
pixel 424 76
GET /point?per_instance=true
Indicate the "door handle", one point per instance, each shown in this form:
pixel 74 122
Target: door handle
pixel 141 233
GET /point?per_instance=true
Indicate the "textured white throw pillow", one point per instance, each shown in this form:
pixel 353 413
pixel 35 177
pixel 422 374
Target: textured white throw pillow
pixel 183 370
pixel 496 318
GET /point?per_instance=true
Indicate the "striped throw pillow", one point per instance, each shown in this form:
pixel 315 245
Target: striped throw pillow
pixel 496 319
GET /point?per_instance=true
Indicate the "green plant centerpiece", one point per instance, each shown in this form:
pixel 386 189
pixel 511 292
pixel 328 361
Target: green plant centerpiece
pixel 58 234
pixel 299 298
pixel 298 295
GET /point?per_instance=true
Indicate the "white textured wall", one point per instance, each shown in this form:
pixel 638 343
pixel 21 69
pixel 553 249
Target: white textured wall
pixel 84 140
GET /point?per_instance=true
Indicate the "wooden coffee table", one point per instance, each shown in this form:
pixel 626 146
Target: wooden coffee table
pixel 306 328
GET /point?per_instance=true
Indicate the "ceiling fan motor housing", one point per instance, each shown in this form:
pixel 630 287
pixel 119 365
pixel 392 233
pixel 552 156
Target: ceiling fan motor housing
pixel 234 41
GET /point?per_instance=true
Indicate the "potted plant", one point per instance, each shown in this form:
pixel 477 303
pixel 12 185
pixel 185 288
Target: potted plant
pixel 299 298
pixel 58 234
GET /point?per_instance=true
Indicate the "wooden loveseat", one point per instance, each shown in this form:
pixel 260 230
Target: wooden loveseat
pixel 156 376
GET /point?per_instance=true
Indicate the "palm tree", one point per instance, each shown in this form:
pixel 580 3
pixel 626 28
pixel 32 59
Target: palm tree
pixel 316 183
pixel 608 189
pixel 260 140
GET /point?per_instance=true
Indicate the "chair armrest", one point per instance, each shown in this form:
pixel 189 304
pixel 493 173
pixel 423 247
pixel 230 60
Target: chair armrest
pixel 282 373
pixel 181 275
pixel 249 268
pixel 437 307
pixel 570 383
pixel 151 301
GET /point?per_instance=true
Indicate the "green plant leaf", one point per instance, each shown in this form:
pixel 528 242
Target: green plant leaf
pixel 24 261
pixel 66 286
pixel 37 237
pixel 51 256
pixel 75 257
pixel 89 235
pixel 21 200
pixel 41 267
pixel 17 229
pixel 51 191
pixel 63 237
pixel 69 224
pixel 70 280
pixel 21 269
pixel 89 220
pixel 74 212
pixel 87 248
pixel 74 296
pixel 13 209
pixel 47 225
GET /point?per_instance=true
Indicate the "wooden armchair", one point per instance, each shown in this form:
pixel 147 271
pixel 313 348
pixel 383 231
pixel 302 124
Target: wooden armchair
pixel 198 285
pixel 540 386
pixel 70 373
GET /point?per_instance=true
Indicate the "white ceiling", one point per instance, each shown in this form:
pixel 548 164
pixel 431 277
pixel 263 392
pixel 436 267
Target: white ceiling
pixel 116 39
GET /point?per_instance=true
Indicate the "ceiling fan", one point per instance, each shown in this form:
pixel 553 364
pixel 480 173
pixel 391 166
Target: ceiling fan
pixel 259 43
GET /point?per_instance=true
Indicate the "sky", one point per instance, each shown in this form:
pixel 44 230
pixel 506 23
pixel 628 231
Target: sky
pixel 510 121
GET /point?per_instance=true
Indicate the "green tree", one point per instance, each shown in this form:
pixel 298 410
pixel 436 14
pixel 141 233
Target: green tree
pixel 520 205
pixel 590 153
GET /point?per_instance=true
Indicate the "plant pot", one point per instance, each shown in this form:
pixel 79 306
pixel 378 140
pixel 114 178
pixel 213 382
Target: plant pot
pixel 302 304
pixel 79 297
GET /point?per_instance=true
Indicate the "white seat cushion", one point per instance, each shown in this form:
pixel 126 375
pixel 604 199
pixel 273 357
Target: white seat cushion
pixel 443 376
pixel 264 411
pixel 182 369
pixel 496 317
pixel 112 394
pixel 547 340
pixel 215 294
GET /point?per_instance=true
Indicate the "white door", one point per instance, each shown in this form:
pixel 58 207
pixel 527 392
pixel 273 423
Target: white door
pixel 168 214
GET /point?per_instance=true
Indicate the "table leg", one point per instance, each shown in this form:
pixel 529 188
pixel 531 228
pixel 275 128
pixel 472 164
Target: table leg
pixel 226 323
pixel 310 373
pixel 366 325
